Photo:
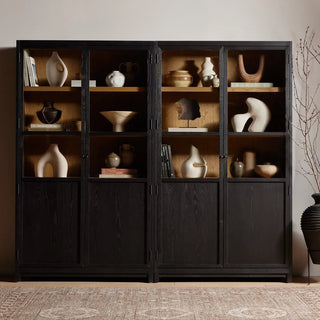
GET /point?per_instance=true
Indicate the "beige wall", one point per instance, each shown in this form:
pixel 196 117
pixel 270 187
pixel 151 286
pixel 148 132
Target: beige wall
pixel 138 20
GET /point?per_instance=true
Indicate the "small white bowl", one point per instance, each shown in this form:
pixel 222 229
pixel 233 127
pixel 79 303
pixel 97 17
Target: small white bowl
pixel 266 170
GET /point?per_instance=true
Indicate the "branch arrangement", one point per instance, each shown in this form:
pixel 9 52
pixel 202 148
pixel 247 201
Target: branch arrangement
pixel 307 106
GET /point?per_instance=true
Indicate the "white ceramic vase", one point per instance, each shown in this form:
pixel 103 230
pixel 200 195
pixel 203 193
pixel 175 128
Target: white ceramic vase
pixel 195 166
pixel 56 70
pixel 207 74
pixel 115 79
pixel 258 111
pixel 56 159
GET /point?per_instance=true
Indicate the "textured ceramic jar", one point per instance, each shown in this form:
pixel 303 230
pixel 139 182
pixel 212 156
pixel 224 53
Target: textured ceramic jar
pixel 115 79
pixel 112 160
pixel 237 168
pixel 49 114
pixel 179 78
pixel 310 225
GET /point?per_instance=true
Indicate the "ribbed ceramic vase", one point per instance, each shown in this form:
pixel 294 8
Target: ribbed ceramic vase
pixel 195 166
pixel 56 159
pixel 56 70
pixel 310 225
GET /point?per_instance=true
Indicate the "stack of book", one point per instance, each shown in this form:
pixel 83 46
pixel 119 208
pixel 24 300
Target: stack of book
pixel 29 70
pixel 118 173
pixel 166 161
pixel 46 127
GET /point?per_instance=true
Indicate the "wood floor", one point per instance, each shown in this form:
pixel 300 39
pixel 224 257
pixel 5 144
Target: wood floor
pixel 297 282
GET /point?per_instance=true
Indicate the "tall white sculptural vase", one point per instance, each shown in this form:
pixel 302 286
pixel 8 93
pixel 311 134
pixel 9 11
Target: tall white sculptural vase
pixel 207 74
pixel 56 70
pixel 56 159
pixel 195 166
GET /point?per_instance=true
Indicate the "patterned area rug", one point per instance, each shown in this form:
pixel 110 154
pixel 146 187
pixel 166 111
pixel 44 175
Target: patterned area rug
pixel 28 303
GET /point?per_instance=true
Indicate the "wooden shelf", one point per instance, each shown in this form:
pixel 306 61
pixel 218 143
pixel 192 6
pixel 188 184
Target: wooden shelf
pixel 51 89
pixel 117 89
pixel 184 180
pixel 257 134
pixel 113 180
pixel 118 134
pixel 256 179
pixel 54 133
pixel 196 134
pixel 255 89
pixel 189 89
pixel 54 179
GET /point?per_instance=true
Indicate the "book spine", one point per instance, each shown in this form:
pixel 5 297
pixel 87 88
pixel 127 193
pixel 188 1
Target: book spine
pixel 167 161
pixel 25 69
pixel 171 171
pixel 30 73
pixel 163 162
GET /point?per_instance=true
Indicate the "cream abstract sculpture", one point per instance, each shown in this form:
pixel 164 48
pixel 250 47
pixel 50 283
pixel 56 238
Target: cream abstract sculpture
pixel 258 111
pixel 56 159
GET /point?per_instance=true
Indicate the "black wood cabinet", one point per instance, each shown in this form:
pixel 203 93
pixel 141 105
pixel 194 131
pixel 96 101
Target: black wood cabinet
pixel 135 221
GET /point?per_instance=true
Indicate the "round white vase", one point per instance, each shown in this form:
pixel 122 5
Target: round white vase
pixel 56 70
pixel 207 74
pixel 195 166
pixel 56 159
pixel 115 79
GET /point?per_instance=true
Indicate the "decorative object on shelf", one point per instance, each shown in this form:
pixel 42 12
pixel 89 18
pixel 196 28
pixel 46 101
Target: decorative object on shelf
pixel 187 110
pixel 46 127
pixel 179 78
pixel 118 173
pixel 258 111
pixel 49 114
pixel 195 166
pixel 115 79
pixel 131 71
pixel 237 168
pixel 266 170
pixel 126 154
pixel 118 118
pixel 56 70
pixel 56 159
pixel 216 82
pixel 77 83
pixel 167 170
pixel 310 226
pixel 207 74
pixel 112 160
pixel 249 159
pixel 251 84
pixel 255 77
pixel 78 125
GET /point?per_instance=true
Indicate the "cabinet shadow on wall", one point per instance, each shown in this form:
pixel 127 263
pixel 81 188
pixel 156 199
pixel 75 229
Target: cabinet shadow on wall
pixel 7 159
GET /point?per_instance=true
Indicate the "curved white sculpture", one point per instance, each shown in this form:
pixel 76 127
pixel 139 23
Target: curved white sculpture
pixel 56 159
pixel 195 166
pixel 258 111
pixel 56 70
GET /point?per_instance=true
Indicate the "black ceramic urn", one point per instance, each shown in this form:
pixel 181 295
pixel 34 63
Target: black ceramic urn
pixel 310 225
pixel 49 114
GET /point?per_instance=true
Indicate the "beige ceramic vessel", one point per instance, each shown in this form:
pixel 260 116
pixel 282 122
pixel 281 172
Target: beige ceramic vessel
pixel 267 170
pixel 118 118
pixel 179 78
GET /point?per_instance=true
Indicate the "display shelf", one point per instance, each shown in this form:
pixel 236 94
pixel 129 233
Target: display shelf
pixel 190 89
pixel 51 133
pixel 190 180
pixel 51 89
pixel 255 89
pixel 118 134
pixel 116 180
pixel 257 134
pixel 256 180
pixel 190 134
pixel 118 89
pixel 52 179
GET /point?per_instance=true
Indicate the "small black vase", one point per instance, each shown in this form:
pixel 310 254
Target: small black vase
pixel 49 114
pixel 310 225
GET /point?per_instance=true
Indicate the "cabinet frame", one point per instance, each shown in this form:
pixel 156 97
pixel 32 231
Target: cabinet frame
pixel 153 271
